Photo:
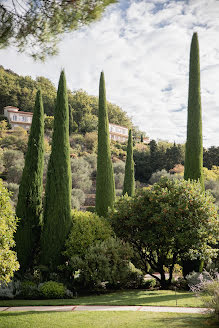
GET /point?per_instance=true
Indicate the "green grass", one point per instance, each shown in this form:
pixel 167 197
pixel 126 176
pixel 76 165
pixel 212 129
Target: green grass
pixel 102 319
pixel 133 297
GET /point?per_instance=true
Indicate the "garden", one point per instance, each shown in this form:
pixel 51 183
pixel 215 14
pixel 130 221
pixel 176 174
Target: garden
pixel 148 243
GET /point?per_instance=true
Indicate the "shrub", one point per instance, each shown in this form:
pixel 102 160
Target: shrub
pixel 8 225
pixel 52 289
pixel 135 277
pixel 87 228
pixel 150 283
pixel 208 289
pixel 105 262
pixel 28 290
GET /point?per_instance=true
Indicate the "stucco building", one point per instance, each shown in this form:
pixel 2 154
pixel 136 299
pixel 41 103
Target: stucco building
pixel 18 118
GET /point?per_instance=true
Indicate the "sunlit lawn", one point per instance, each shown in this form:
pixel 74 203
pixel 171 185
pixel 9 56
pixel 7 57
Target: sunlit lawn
pixel 131 297
pixel 102 319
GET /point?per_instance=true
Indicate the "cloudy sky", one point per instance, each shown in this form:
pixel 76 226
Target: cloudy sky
pixel 143 47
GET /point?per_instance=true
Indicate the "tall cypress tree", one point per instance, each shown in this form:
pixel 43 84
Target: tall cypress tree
pixel 29 205
pixel 105 184
pixel 194 147
pixel 129 180
pixel 70 120
pixel 57 208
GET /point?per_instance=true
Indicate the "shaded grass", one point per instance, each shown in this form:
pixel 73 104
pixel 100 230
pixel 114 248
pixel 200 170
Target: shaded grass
pixel 130 297
pixel 102 319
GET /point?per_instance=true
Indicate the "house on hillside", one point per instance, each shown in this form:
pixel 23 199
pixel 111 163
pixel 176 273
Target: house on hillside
pixel 18 118
pixel 118 132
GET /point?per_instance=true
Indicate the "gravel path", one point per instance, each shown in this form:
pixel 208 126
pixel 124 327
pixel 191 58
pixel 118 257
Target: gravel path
pixel 106 308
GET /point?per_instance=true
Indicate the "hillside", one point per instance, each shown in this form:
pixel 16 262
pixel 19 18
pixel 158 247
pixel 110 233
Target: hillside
pixel 20 91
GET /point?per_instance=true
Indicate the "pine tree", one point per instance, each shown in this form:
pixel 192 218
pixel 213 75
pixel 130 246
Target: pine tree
pixel 29 205
pixel 194 148
pixel 57 210
pixel 129 180
pixel 105 184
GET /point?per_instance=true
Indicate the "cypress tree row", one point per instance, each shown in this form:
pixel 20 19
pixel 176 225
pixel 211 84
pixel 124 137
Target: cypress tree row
pixel 129 180
pixel 194 147
pixel 57 207
pixel 29 205
pixel 105 184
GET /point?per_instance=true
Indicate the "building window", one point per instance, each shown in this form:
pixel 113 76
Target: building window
pixel 14 118
pixel 24 118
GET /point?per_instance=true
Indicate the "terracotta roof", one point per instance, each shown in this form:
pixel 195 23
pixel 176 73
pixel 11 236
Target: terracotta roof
pixel 20 112
pixel 121 126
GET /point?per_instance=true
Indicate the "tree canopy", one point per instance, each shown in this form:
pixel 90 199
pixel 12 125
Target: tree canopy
pixel 35 26
pixel 166 223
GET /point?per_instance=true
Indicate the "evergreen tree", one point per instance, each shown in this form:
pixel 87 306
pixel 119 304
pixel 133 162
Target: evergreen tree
pixel 71 122
pixel 29 205
pixel 105 184
pixel 142 138
pixel 194 148
pixel 129 180
pixel 57 210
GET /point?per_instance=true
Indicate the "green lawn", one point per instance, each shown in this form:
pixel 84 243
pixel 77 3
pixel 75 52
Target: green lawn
pixel 102 319
pixel 133 297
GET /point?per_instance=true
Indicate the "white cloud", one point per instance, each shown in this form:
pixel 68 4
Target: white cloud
pixel 144 52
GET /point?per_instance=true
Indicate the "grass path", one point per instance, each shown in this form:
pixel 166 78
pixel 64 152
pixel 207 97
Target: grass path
pixel 103 320
pixel 130 297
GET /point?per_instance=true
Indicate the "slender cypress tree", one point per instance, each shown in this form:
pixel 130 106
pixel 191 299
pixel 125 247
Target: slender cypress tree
pixel 105 184
pixel 29 205
pixel 194 147
pixel 129 180
pixel 57 208
pixel 70 120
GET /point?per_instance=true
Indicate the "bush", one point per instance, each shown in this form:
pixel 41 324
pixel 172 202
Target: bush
pixel 208 288
pixel 135 278
pixel 28 290
pixel 149 283
pixel 106 262
pixel 87 229
pixel 52 289
pixel 8 225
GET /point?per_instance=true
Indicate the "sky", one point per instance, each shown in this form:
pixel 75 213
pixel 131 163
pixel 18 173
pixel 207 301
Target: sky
pixel 143 48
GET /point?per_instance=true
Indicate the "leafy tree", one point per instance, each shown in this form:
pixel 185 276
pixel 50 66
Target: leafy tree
pixel 129 180
pixel 81 174
pixel 170 221
pixel 29 205
pixel 194 148
pixel 105 184
pixel 211 157
pixel 57 216
pixel 174 155
pixel 8 223
pixel 36 25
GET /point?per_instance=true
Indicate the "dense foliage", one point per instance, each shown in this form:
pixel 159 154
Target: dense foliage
pixel 8 222
pixel 105 184
pixel 194 148
pixel 28 26
pixel 57 205
pixel 29 205
pixel 20 91
pixel 170 221
pixel 87 228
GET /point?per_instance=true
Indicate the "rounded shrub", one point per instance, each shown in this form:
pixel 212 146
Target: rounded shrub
pixel 52 289
pixel 87 229
pixel 28 290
